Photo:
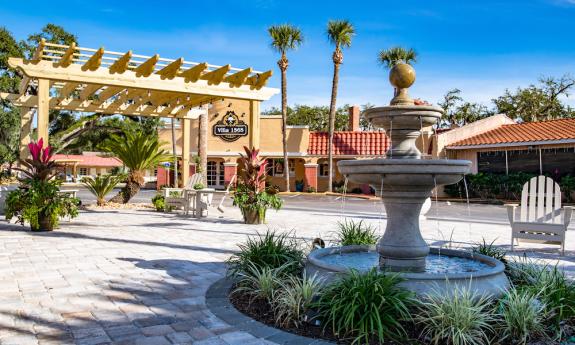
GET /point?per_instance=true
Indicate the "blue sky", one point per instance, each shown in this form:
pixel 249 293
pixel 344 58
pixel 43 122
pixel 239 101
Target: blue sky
pixel 480 47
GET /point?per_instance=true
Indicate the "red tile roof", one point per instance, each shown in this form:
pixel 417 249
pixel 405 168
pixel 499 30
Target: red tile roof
pixel 553 130
pixel 349 143
pixel 90 160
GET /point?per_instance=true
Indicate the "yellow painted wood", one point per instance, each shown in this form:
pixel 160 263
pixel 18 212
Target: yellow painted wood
pixel 254 129
pixel 121 65
pixel 46 70
pixel 238 78
pixel 66 59
pixel 67 89
pixel 186 142
pixel 171 70
pixel 193 74
pixel 108 93
pixel 26 119
pixel 43 109
pixel 95 61
pixel 259 80
pixel 216 76
pixel 147 67
pixel 89 90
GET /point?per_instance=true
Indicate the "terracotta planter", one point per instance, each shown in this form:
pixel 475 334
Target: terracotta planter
pixel 44 224
pixel 252 216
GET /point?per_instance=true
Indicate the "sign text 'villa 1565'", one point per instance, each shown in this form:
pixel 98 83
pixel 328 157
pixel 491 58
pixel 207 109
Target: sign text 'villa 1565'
pixel 230 127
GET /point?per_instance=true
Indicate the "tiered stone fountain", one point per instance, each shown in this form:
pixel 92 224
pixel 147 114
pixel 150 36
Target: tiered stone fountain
pixel 405 181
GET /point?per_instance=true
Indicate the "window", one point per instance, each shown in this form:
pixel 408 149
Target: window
pixel 156 172
pixel 323 169
pixel 276 167
pixel 83 171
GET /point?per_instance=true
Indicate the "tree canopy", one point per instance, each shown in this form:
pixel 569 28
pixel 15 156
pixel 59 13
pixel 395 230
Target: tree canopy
pixel 316 117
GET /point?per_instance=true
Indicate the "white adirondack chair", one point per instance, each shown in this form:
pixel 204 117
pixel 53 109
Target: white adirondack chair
pixel 176 197
pixel 540 214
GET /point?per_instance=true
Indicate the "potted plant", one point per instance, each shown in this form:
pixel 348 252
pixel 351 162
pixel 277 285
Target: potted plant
pixel 38 200
pixel 251 195
pixel 299 185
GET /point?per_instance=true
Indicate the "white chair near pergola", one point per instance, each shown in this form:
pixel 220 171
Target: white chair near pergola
pixel 96 80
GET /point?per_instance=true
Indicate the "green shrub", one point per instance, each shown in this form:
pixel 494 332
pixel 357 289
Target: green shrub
pixel 461 318
pixel 199 186
pixel 489 249
pixel 101 185
pixel 260 282
pixel 521 316
pixel 351 232
pixel 159 202
pixel 552 287
pixel 366 305
pixel 311 189
pixel 567 185
pixel 271 250
pixel 294 299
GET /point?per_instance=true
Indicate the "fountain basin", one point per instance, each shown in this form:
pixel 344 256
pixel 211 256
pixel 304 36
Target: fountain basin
pixel 404 173
pixel 398 117
pixel 479 273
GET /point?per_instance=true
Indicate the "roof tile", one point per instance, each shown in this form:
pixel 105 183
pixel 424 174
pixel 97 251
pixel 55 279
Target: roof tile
pixel 347 143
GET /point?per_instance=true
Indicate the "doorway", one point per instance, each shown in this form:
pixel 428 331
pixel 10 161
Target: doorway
pixel 215 174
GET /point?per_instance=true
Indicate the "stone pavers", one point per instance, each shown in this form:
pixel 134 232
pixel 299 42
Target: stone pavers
pixel 140 277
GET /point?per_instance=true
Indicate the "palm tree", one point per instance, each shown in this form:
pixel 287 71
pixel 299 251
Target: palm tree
pixel 339 32
pixel 139 152
pixel 395 55
pixel 101 185
pixel 285 37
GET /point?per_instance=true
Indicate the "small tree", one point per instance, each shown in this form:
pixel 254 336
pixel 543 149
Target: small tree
pixel 101 185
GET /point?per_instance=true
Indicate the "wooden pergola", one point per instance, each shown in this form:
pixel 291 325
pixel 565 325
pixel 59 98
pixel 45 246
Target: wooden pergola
pixel 96 80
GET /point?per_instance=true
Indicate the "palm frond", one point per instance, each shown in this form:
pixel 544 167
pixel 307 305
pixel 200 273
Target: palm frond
pixel 285 37
pixel 395 55
pixel 340 32
pixel 137 150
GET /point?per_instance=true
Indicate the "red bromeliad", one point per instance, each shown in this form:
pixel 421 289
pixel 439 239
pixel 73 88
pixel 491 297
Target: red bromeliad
pixel 253 170
pixel 40 166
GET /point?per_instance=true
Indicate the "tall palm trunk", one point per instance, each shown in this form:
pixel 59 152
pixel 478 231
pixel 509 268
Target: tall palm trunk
pixel 283 65
pixel 337 59
pixel 134 182
pixel 203 147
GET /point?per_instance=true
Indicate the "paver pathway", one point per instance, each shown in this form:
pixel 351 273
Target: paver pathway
pixel 140 277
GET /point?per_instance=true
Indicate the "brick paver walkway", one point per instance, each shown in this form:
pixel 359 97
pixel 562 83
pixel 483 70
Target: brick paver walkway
pixel 140 277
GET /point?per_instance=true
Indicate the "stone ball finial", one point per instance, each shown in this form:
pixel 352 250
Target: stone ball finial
pixel 402 76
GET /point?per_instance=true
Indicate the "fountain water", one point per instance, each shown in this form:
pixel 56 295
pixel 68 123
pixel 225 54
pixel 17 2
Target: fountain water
pixel 408 182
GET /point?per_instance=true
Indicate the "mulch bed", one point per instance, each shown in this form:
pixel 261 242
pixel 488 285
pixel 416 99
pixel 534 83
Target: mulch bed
pixel 260 310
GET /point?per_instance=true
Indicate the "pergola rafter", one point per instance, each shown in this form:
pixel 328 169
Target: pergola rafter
pixel 68 77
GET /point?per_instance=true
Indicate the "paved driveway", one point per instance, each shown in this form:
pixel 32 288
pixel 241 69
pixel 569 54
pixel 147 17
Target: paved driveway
pixel 139 277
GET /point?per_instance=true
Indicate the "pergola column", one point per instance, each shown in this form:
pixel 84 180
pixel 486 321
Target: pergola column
pixel 43 109
pixel 203 143
pixel 254 124
pixel 26 117
pixel 186 137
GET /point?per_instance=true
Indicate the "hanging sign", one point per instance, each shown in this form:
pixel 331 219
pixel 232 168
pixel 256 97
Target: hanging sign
pixel 230 127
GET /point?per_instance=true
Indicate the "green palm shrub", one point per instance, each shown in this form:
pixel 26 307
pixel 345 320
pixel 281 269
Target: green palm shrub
pixel 101 185
pixel 461 318
pixel 138 152
pixel 522 316
pixel 294 299
pixel 366 305
pixel 260 282
pixel 271 249
pixel 351 232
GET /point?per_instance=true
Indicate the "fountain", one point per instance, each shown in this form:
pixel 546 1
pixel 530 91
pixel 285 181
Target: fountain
pixel 405 181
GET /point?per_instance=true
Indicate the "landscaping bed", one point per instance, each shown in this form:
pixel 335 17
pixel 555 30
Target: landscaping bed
pixel 372 308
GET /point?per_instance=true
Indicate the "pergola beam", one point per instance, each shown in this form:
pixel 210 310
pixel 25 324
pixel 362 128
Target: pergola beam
pixel 193 74
pixel 95 61
pixel 67 89
pixel 108 93
pixel 88 91
pixel 239 78
pixel 216 76
pixel 147 67
pixel 128 79
pixel 171 70
pixel 121 65
pixel 66 59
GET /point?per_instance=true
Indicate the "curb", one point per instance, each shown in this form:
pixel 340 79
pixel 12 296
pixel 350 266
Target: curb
pixel 219 304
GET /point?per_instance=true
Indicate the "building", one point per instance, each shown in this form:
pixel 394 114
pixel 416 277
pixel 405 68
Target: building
pixel 91 164
pixel 499 145
pixel 307 150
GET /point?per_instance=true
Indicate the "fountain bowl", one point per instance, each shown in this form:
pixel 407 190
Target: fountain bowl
pixel 488 279
pixel 404 172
